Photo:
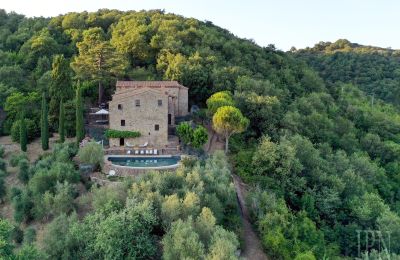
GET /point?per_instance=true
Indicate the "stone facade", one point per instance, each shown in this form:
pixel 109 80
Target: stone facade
pixel 149 107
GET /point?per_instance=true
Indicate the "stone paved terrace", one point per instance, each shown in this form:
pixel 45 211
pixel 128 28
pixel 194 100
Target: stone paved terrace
pixel 172 148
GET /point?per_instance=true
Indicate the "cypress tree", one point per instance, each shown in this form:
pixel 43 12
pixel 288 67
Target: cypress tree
pixel 80 130
pixel 44 122
pixel 60 87
pixel 23 135
pixel 61 122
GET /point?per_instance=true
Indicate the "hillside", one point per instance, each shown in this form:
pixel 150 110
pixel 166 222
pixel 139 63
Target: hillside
pixel 321 159
pixel 374 70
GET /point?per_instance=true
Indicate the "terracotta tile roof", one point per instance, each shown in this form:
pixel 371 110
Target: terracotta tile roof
pixel 149 84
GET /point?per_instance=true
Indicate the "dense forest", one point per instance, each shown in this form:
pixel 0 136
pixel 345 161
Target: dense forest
pixel 374 70
pixel 321 151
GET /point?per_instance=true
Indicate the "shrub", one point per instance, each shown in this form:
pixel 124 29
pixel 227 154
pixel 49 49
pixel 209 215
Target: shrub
pixel 195 137
pixel 29 251
pixel 189 162
pixel 29 235
pixel 23 135
pixel 92 153
pixel 63 200
pixel 200 137
pixel 22 204
pixel 2 151
pixel 15 158
pixel 23 174
pixel 3 165
pixel 69 148
pixel 17 235
pixel 185 132
pixel 3 189
pixel 31 126
pixel 111 133
pixel 109 198
pixel 200 116
pixel 305 256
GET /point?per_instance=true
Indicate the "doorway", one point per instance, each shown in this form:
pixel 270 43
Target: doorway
pixel 121 142
pixel 169 119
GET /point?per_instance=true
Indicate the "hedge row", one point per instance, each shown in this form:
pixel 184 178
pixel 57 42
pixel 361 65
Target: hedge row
pixel 111 133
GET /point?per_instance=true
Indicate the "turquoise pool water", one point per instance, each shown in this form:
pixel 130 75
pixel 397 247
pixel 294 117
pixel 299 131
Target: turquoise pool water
pixel 144 161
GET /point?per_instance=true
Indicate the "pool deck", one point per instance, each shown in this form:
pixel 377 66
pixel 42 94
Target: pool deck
pixel 169 150
pixel 172 148
pixel 125 171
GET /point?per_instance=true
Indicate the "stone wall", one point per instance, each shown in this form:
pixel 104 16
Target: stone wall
pixel 183 102
pixel 141 118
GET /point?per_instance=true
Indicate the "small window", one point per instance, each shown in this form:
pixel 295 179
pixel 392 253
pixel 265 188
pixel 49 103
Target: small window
pixel 159 102
pixel 119 107
pixel 156 127
pixel 137 102
pixel 122 122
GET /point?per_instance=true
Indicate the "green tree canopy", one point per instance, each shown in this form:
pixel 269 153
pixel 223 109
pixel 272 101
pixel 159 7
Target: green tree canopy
pixel 228 120
pixel 97 59
pixel 219 99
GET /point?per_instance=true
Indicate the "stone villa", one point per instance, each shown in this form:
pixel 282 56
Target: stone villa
pixel 149 107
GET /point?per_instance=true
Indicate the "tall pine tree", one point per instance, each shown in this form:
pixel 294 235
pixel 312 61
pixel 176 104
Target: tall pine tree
pixel 61 122
pixel 23 134
pixel 44 124
pixel 80 130
pixel 98 60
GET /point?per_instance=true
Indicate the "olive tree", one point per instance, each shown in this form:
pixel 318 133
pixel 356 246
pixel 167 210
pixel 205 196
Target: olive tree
pixel 91 153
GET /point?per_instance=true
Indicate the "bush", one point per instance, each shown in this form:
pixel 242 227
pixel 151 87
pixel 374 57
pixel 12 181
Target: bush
pixel 68 149
pixel 63 199
pixel 3 188
pixel 109 198
pixel 29 251
pixel 23 174
pixel 2 151
pixel 200 137
pixel 111 133
pixel 32 129
pixel 92 153
pixel 17 235
pixel 195 137
pixel 15 158
pixel 22 204
pixel 200 116
pixel 3 165
pixel 189 162
pixel 29 235
pixel 185 132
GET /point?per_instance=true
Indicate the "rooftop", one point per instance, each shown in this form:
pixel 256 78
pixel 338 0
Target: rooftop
pixel 149 84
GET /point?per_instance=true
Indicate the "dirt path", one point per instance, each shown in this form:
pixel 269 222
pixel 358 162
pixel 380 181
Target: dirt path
pixel 212 143
pixel 252 245
pixel 252 249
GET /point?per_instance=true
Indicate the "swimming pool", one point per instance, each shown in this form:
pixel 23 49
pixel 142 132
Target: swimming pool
pixel 144 162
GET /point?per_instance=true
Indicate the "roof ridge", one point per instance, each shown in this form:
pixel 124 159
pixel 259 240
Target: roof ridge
pixel 129 93
pixel 148 83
